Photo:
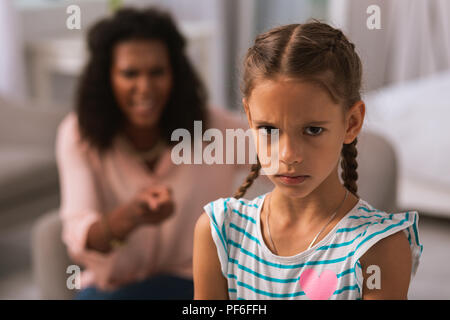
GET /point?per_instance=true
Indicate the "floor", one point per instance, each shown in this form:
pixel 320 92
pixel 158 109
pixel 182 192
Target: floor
pixel 432 280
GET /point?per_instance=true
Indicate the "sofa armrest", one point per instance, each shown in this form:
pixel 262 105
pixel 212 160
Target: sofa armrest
pixel 50 259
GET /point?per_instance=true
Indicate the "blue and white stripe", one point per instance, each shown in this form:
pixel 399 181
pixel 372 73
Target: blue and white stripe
pixel 253 272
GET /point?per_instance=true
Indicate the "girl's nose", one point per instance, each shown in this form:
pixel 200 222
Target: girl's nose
pixel 289 151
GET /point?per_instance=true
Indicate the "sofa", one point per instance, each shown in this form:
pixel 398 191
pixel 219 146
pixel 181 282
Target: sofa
pixel 28 178
pixel 28 168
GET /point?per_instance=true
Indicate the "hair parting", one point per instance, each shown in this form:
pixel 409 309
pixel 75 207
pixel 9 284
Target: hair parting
pixel 315 52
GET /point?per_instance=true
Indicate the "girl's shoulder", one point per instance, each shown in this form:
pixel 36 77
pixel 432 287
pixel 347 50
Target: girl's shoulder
pixel 365 225
pixel 228 206
pixel 366 217
pixel 226 210
pixel 230 220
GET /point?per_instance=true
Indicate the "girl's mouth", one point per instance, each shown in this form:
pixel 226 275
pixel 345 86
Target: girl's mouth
pixel 291 180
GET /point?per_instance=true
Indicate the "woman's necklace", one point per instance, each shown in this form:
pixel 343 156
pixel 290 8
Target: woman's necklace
pixel 153 153
pixel 148 155
pixel 317 235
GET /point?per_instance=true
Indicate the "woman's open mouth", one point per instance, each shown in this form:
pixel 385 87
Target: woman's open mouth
pixel 144 108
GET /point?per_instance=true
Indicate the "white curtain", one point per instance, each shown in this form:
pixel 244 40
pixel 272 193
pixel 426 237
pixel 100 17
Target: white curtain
pixel 243 20
pixel 12 69
pixel 420 38
pixel 413 42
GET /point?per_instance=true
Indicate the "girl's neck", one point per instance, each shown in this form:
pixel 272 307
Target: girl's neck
pixel 316 207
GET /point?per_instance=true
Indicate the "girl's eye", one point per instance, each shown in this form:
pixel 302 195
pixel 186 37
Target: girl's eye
pixel 267 130
pixel 314 131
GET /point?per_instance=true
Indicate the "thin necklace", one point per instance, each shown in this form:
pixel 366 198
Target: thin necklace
pixel 317 235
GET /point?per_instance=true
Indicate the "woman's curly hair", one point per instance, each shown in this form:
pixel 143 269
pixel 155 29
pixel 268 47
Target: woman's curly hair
pixel 99 115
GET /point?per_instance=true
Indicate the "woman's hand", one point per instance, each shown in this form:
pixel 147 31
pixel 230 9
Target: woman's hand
pixel 155 204
pixel 152 205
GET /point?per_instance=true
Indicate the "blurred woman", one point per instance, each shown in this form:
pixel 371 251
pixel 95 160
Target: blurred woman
pixel 128 211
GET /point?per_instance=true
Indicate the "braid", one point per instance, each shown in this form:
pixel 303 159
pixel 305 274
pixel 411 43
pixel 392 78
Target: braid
pixel 254 173
pixel 349 166
pixel 338 39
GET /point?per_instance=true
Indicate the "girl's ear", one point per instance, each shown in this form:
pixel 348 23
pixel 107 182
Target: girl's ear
pixel 247 111
pixel 354 121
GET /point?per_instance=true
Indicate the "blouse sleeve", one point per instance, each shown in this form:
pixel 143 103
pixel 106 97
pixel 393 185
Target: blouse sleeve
pixel 80 201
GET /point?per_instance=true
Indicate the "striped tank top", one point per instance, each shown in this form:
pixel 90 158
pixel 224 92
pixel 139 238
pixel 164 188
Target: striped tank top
pixel 328 270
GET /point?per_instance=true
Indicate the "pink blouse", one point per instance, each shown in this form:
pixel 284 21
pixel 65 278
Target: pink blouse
pixel 93 185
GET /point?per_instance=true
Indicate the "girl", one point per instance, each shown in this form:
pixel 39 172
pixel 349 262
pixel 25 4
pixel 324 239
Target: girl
pixel 311 237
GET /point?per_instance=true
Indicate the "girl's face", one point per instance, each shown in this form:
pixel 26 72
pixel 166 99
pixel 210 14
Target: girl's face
pixel 141 78
pixel 312 130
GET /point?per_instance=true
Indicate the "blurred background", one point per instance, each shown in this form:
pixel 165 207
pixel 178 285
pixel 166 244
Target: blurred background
pixel 404 46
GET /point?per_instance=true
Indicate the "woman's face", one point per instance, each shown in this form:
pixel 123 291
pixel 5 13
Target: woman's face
pixel 312 131
pixel 141 78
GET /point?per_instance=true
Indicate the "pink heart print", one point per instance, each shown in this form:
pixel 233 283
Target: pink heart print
pixel 318 287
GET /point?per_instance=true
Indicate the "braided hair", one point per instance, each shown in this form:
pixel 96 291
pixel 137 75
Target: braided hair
pixel 313 51
pixel 349 165
pixel 254 173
